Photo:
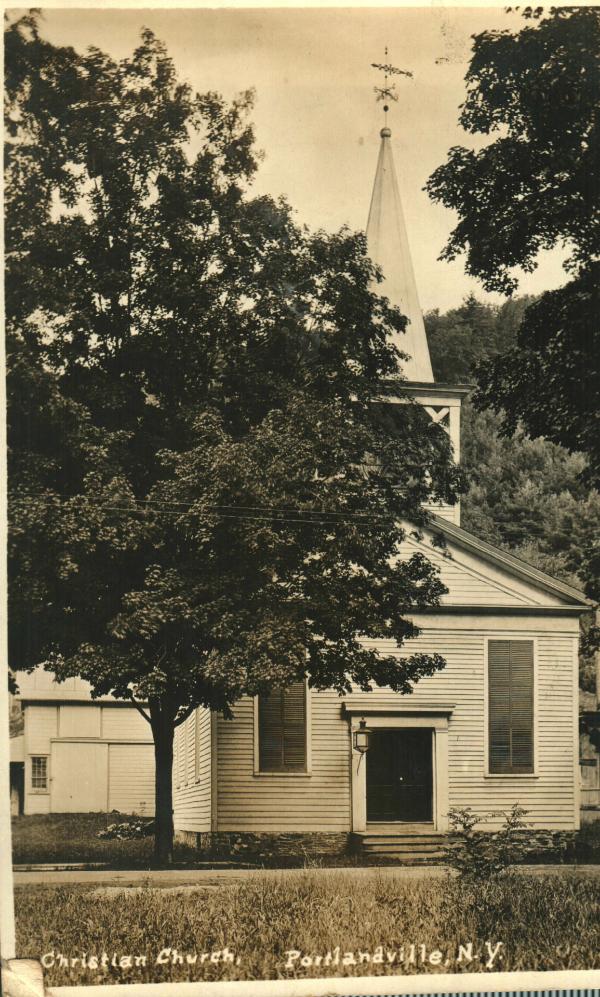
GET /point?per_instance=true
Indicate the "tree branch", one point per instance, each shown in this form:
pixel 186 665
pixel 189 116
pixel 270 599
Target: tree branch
pixel 139 708
pixel 187 712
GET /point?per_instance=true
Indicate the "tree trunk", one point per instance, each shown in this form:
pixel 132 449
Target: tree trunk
pixel 163 732
pixel 597 658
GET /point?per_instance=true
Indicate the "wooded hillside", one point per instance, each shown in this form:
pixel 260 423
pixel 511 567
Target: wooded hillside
pixel 524 495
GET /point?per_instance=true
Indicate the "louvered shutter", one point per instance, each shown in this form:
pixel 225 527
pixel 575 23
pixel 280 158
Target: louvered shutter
pixel 294 727
pixel 521 705
pixel 499 705
pixel 270 731
pixel 510 685
pixel 282 729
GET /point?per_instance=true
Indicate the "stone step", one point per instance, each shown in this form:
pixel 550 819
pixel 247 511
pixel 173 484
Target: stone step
pixel 408 839
pixel 406 848
pixel 392 849
pixel 408 858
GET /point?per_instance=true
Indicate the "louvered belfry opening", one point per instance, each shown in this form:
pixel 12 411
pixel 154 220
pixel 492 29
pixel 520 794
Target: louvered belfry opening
pixel 282 729
pixel 510 685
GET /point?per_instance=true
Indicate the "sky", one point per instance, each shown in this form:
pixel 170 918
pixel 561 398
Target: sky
pixel 316 117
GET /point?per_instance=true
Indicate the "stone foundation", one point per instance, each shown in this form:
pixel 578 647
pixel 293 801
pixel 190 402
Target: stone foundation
pixel 549 840
pixel 187 838
pixel 534 844
pixel 549 846
pixel 541 845
pixel 228 844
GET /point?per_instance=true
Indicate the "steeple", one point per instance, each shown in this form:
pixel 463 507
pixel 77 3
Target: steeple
pixel 387 244
pixel 388 247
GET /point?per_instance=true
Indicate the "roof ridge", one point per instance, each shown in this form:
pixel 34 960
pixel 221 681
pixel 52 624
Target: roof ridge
pixel 503 557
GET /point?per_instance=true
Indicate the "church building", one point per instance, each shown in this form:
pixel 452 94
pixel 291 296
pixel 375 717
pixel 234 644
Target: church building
pixel 380 771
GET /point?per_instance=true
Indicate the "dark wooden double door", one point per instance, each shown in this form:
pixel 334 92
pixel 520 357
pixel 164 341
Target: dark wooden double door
pixel 400 775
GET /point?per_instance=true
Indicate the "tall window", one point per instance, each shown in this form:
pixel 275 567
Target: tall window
pixel 510 685
pixel 282 730
pixel 39 772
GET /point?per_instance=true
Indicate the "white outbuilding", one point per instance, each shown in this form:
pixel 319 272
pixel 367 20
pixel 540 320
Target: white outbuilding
pixel 80 754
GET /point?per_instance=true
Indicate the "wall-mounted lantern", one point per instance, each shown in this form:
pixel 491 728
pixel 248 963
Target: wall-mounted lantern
pixel 362 737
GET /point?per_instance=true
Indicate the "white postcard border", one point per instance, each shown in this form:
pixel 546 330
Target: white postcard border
pixel 24 977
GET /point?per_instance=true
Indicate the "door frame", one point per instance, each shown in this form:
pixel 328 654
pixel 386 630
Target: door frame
pixel 437 722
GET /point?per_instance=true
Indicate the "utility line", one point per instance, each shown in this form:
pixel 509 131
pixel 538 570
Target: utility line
pixel 314 517
pixel 177 508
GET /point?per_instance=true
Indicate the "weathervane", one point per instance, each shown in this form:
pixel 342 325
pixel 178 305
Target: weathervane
pixel 388 90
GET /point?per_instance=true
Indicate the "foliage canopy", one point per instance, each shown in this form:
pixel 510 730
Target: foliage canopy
pixel 531 188
pixel 206 487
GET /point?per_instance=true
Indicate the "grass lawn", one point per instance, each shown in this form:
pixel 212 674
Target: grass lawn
pixel 519 923
pixel 72 838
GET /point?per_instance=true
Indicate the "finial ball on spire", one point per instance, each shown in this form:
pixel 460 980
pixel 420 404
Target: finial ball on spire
pixel 386 133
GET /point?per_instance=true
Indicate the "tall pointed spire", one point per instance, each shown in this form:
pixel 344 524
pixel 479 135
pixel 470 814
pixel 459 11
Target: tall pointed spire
pixel 388 242
pixel 388 247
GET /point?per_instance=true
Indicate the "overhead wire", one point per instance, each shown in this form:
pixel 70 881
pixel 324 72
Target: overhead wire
pixel 269 514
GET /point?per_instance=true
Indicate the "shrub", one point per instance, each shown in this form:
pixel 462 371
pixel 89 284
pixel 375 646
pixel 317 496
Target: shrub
pixel 135 828
pixel 483 855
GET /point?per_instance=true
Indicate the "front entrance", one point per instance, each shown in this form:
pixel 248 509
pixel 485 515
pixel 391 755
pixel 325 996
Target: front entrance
pixel 400 775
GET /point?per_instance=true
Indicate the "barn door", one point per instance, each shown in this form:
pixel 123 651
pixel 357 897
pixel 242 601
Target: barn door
pixel 78 777
pixel 400 775
pixel 131 779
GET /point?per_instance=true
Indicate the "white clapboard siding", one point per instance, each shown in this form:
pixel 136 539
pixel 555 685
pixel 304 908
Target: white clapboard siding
pixel 286 802
pixel 124 722
pixel 41 723
pixel 444 511
pixel 79 721
pixel 131 779
pixel 321 801
pixel 473 582
pixel 192 773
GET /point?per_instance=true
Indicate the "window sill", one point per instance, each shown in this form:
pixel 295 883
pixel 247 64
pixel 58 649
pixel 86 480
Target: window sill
pixel 282 775
pixel 511 775
pixel 39 792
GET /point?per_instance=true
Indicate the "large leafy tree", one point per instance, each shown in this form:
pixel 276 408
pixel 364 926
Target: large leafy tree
pixel 207 485
pixel 531 188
